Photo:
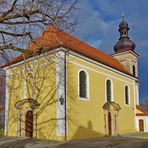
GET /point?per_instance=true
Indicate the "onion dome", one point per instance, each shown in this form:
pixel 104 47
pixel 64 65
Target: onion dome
pixel 124 43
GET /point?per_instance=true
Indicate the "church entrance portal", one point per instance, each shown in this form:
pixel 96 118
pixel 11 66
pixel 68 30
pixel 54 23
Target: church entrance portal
pixel 27 117
pixel 111 111
pixel 109 124
pixel 29 124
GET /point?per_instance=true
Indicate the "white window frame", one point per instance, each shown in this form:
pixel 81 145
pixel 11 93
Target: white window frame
pixel 129 96
pixel 112 88
pixel 87 86
pixel 25 86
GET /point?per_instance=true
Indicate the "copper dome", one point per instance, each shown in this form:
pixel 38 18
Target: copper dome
pixel 124 43
pixel 123 24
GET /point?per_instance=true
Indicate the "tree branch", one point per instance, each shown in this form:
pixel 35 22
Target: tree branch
pixel 23 22
pixel 69 10
pixel 16 49
pixel 48 16
pixel 18 15
pixel 10 10
pixel 15 34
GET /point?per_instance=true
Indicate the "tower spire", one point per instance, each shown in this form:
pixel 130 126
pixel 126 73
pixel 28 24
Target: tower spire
pixel 122 15
pixel 124 43
pixel 124 49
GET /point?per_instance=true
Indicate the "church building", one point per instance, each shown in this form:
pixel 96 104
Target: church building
pixel 70 90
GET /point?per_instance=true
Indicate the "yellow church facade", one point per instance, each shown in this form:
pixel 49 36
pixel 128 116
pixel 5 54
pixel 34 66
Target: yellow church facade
pixel 72 91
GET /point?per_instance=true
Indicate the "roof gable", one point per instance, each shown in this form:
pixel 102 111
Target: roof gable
pixel 53 38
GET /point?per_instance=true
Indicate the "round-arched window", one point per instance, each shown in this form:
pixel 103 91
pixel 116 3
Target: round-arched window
pixel 108 90
pixel 82 84
pixel 126 95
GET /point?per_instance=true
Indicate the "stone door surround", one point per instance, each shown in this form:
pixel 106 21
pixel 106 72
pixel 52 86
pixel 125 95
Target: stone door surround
pixel 22 107
pixel 111 108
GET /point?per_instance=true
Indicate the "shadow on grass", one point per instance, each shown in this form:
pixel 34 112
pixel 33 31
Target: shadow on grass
pixel 105 142
pixel 9 142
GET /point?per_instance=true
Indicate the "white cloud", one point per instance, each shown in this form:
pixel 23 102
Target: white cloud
pixel 98 26
pixel 91 24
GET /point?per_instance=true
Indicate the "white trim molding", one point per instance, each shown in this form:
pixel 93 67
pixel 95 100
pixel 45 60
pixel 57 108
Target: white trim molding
pixel 145 121
pixel 6 102
pixel 137 93
pixel 95 63
pixel 100 72
pixel 60 93
pixel 32 87
pixel 37 57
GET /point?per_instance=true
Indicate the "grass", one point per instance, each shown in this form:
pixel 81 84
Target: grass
pixel 143 134
pixel 1 132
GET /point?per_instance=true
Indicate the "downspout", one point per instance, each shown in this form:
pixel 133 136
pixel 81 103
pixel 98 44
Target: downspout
pixel 65 76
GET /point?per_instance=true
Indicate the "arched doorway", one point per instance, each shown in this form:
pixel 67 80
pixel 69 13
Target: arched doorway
pixel 27 117
pixel 29 124
pixel 109 124
pixel 111 111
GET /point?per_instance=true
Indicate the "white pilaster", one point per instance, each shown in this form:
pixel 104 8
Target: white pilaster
pixel 34 125
pixel 60 93
pixel 6 102
pixel 137 94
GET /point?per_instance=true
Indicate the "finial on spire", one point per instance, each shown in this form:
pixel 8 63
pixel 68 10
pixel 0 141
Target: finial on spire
pixel 123 16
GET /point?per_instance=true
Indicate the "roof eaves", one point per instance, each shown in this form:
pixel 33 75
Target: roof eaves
pixel 125 72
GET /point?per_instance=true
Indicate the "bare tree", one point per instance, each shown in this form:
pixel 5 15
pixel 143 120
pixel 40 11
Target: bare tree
pixel 21 21
pixel 36 82
pixel 36 79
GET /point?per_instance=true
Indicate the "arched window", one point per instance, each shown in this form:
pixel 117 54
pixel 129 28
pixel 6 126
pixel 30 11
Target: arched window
pixel 127 95
pixel 29 84
pixel 134 71
pixel 108 90
pixel 82 84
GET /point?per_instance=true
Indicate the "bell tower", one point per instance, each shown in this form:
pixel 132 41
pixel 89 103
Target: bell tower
pixel 124 50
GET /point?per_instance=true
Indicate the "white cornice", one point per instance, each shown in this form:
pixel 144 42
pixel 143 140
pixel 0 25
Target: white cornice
pixel 90 61
pixel 81 57
pixel 125 52
pixel 34 58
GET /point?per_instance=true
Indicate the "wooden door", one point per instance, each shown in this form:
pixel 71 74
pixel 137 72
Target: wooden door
pixel 29 124
pixel 109 124
pixel 141 125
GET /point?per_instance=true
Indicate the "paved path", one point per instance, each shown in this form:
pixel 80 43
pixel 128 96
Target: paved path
pixel 104 142
pixel 137 137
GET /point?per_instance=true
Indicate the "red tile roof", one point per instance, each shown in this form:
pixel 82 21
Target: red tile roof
pixel 143 110
pixel 54 38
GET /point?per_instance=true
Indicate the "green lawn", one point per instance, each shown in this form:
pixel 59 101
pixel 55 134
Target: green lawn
pixel 144 134
pixel 1 132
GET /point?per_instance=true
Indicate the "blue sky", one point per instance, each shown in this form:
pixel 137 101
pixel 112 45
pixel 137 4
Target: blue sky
pixel 98 26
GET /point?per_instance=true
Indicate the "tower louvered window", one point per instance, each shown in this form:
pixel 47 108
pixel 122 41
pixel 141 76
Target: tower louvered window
pixel 134 71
